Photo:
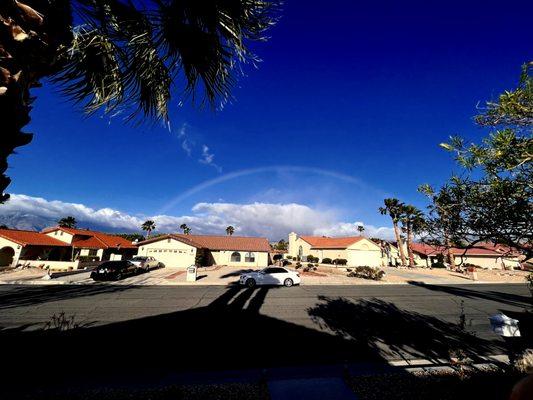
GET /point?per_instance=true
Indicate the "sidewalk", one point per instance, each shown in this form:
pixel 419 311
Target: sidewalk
pixel 223 275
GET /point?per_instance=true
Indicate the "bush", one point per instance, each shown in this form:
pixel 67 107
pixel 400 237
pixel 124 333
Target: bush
pixel 277 257
pixel 285 262
pixel 367 272
pixel 438 264
pixel 88 258
pixel 326 260
pixel 289 257
pixel 298 265
pixel 312 259
pixel 340 261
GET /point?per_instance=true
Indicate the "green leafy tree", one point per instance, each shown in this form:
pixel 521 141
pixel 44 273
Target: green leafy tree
pixel 67 222
pixel 492 200
pixel 230 230
pixel 148 226
pixel 360 229
pixel 124 56
pixel 393 208
pixel 281 245
pixel 132 237
pixel 186 230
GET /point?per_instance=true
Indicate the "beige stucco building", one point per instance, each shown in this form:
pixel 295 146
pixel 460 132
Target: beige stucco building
pixel 484 255
pixel 181 251
pixel 357 250
pixel 60 248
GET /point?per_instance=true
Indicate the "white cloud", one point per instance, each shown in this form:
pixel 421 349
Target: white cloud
pixel 272 220
pixel 186 144
pixel 350 229
pixel 208 158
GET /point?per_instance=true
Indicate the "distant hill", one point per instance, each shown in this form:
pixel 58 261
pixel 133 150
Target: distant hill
pixel 32 222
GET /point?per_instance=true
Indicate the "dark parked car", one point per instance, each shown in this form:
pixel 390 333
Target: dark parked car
pixel 115 270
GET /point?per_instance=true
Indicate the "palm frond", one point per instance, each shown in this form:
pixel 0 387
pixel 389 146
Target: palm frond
pixel 131 55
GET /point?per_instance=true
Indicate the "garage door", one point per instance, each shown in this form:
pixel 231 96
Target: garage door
pixel 172 258
pixel 370 258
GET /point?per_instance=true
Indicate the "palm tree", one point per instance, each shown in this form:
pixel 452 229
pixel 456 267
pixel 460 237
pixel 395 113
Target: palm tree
pixel 67 222
pixel 148 226
pixel 412 220
pixel 185 228
pixel 229 230
pixel 393 208
pixel 360 229
pixel 124 56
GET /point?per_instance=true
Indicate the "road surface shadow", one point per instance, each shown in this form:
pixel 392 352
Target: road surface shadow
pixel 24 295
pixel 228 334
pixel 480 293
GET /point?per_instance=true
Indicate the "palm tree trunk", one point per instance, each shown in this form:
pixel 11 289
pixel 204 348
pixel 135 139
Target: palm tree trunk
pixel 400 243
pixel 30 39
pixel 409 249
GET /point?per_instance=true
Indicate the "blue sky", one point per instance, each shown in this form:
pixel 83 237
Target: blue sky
pixel 348 106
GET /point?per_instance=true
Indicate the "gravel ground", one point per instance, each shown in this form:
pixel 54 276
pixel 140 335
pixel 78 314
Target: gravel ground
pixel 230 391
pixel 492 384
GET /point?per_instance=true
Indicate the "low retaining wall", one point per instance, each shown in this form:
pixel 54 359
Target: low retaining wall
pixel 51 265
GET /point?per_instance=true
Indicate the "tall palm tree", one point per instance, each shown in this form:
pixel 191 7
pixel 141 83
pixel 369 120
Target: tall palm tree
pixel 229 230
pixel 186 229
pixel 123 56
pixel 412 220
pixel 360 229
pixel 393 208
pixel 67 222
pixel 148 226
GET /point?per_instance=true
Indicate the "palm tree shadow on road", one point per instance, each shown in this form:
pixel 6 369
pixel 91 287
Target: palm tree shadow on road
pixel 229 334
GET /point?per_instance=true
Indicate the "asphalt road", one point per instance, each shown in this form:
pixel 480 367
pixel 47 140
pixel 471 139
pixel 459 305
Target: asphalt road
pixel 32 306
pixel 156 329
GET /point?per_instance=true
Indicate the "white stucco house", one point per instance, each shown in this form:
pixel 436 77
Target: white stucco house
pixel 357 250
pixel 181 251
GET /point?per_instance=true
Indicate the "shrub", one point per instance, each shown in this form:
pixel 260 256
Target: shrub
pixel 326 260
pixel 289 257
pixel 298 265
pixel 285 262
pixel 312 259
pixel 367 272
pixel 277 257
pixel 88 258
pixel 340 261
pixel 438 264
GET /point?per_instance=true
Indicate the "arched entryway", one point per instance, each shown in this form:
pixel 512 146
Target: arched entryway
pixel 6 256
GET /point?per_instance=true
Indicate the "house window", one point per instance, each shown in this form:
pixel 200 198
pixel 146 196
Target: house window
pixel 93 252
pixel 249 257
pixel 60 233
pixel 235 257
pixel 168 240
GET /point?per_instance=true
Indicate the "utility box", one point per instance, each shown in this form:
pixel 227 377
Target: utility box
pixel 502 325
pixel 191 273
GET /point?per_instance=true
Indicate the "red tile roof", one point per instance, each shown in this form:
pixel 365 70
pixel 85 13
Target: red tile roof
pixel 321 242
pixel 478 250
pixel 94 239
pixel 241 243
pixel 25 238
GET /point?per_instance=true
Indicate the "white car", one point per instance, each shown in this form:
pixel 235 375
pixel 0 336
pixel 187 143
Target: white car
pixel 145 263
pixel 271 276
